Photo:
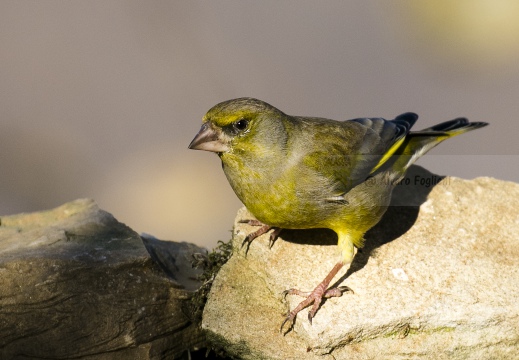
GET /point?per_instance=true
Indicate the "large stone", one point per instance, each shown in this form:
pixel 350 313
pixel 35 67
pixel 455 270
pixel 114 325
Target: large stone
pixel 76 283
pixel 437 279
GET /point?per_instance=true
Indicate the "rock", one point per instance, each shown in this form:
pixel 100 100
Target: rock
pixel 437 279
pixel 76 283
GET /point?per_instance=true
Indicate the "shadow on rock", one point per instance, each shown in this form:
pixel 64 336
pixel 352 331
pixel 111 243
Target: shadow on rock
pixel 400 216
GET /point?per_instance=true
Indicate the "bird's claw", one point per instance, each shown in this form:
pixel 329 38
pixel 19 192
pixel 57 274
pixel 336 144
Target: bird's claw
pixel 262 230
pixel 343 289
pixel 251 222
pixel 291 316
pixel 288 319
pixel 284 294
pixel 314 297
pixel 247 241
pixel 274 236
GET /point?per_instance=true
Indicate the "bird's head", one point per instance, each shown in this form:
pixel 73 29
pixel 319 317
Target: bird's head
pixel 239 125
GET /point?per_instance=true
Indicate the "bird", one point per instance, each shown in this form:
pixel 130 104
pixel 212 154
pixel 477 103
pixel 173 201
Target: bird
pixel 297 172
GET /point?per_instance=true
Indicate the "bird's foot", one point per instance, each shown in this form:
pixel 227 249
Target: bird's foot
pixel 262 230
pixel 315 297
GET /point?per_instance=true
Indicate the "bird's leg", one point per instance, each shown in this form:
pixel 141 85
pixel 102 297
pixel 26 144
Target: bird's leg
pixel 262 230
pixel 315 297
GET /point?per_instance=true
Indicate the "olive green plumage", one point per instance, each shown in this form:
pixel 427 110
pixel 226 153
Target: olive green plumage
pixel 304 172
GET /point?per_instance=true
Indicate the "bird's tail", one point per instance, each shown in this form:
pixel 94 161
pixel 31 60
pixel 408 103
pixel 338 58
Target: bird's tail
pixel 417 143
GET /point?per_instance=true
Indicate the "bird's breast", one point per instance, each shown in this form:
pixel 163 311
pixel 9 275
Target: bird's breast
pixel 282 197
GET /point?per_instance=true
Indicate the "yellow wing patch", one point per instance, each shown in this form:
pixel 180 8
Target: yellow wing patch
pixel 388 153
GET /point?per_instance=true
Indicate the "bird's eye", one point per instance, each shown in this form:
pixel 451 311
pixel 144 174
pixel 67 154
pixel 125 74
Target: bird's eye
pixel 241 124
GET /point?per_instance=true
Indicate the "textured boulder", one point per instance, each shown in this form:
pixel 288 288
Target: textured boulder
pixel 437 279
pixel 76 283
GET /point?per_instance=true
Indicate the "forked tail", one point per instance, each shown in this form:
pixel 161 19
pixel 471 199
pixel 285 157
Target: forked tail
pixel 417 143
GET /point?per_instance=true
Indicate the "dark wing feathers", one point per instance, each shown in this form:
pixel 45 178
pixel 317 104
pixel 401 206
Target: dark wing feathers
pixel 447 125
pixel 388 131
pixel 381 137
pixel 450 128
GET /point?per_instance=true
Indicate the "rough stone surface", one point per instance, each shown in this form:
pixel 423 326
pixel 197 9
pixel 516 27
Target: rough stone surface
pixel 76 283
pixel 437 279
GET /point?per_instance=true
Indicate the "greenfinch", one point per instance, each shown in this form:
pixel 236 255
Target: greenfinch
pixel 294 172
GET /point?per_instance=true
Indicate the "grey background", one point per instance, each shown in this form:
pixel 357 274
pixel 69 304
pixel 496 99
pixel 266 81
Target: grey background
pixel 101 98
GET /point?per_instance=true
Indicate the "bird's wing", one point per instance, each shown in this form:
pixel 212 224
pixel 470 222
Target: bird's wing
pixel 387 138
pixel 349 151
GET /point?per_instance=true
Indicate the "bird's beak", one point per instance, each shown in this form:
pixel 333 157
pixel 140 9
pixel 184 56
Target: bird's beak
pixel 209 139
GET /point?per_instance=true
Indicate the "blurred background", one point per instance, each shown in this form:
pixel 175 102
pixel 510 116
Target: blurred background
pixel 100 98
